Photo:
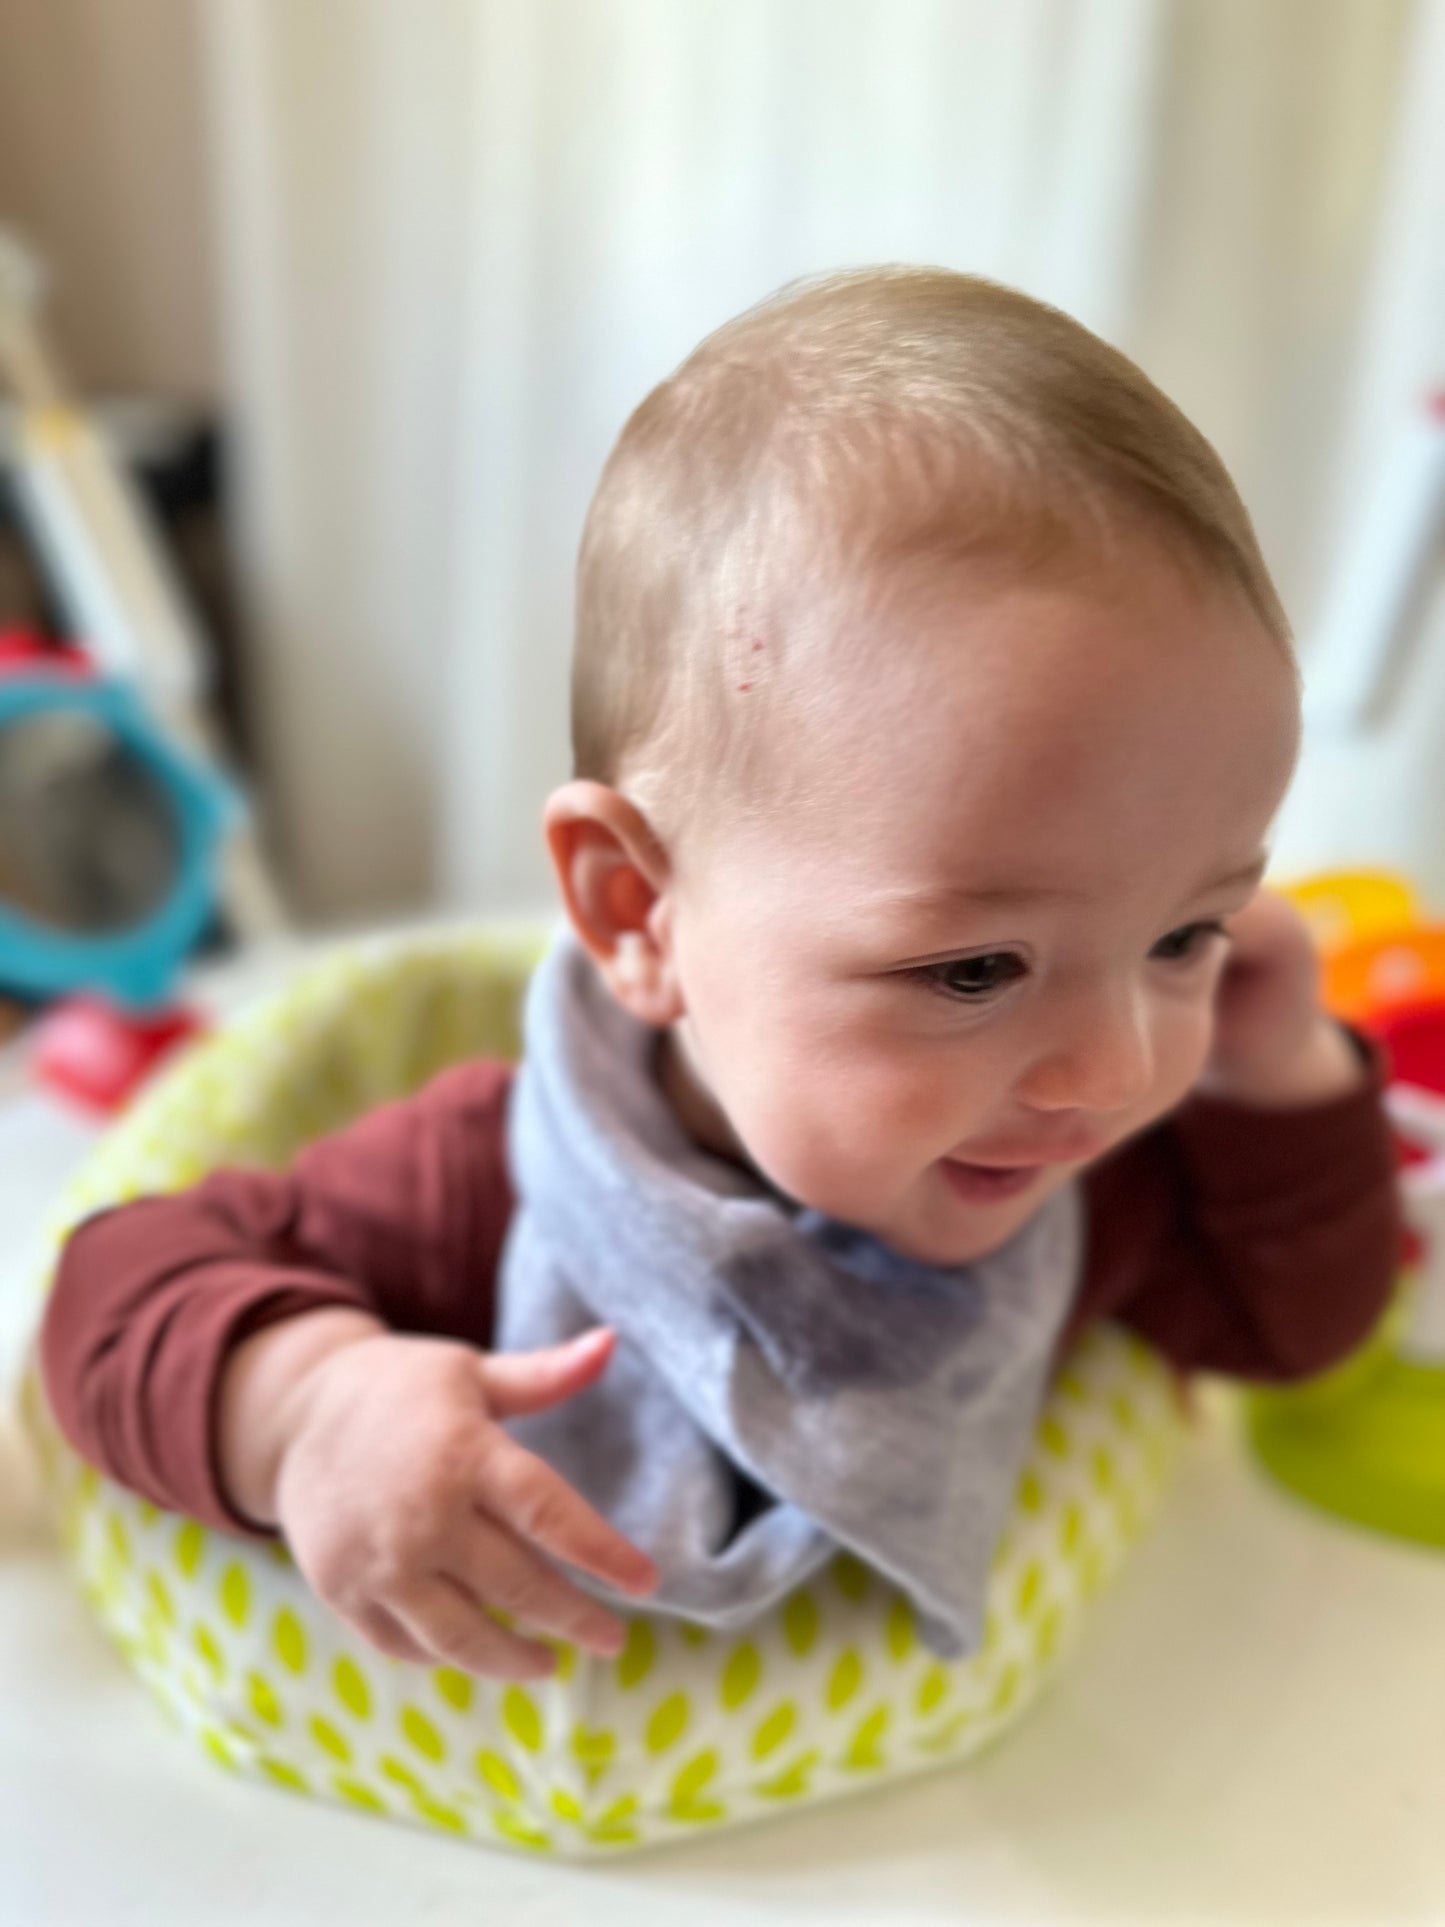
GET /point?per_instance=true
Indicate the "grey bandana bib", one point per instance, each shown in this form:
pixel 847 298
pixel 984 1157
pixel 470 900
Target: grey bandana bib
pixel 871 1402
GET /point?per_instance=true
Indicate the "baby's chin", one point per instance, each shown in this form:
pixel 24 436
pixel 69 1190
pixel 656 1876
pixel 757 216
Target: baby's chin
pixel 942 1229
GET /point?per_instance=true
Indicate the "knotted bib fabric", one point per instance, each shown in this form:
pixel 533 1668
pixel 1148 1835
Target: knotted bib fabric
pixel 785 1385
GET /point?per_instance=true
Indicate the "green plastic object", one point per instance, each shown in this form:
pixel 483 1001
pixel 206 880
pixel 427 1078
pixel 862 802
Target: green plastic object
pixel 1366 1442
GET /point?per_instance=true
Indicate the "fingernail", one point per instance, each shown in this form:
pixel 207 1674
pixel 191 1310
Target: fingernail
pixel 641 1578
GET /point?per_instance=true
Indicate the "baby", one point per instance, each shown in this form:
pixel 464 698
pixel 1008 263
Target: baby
pixel 931 706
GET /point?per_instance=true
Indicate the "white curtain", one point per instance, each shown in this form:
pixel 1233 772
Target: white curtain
pixel 1376 791
pixel 460 241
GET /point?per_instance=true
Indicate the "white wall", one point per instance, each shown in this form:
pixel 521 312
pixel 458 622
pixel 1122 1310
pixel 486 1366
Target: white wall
pixel 1376 793
pixel 1270 159
pixel 342 138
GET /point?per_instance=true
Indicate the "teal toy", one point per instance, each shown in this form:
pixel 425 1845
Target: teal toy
pixel 108 840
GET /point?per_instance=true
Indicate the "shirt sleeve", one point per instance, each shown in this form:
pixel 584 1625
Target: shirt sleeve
pixel 1259 1243
pixel 402 1215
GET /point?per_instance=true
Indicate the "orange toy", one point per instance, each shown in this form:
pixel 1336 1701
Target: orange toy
pixel 1374 975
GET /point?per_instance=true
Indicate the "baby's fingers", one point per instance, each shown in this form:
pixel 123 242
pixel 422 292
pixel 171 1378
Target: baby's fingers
pixel 542 1509
pixel 491 1565
pixel 519 1382
pixel 452 1627
pixel 389 1636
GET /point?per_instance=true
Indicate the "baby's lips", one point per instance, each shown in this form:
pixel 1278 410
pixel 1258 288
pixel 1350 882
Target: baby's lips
pixel 1080 1148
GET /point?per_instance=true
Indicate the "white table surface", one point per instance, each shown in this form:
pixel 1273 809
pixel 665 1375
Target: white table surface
pixel 1254 1731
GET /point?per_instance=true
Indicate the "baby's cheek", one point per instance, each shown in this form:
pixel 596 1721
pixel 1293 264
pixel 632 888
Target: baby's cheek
pixel 1182 1052
pixel 842 1144
pixel 897 1124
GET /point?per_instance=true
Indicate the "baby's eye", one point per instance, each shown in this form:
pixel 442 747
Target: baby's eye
pixel 1189 941
pixel 977 977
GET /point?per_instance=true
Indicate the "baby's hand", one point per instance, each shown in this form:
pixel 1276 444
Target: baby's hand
pixel 410 1510
pixel 1274 1045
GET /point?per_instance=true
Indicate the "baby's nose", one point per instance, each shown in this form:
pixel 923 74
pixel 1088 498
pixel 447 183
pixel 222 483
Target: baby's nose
pixel 1102 1060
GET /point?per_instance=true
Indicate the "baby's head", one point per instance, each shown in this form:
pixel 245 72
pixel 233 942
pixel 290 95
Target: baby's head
pixel 931 703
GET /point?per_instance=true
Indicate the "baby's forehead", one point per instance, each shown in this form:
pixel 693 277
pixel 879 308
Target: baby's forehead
pixel 1042 716
pixel 1041 609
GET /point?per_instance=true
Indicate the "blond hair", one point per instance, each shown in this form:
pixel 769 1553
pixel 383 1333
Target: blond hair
pixel 845 424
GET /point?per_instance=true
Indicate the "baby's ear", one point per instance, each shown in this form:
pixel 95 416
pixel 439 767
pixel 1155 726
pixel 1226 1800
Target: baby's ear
pixel 614 875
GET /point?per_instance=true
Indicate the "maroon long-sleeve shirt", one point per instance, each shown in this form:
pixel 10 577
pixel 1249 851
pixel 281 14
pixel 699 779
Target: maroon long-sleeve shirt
pixel 1257 1243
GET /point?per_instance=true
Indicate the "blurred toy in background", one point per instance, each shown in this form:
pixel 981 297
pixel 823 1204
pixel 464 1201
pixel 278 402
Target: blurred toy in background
pixel 108 834
pixel 1368 1441
pixel 121 843
pixel 108 839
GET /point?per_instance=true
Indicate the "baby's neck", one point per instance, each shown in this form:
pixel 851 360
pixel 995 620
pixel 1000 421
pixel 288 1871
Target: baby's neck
pixel 693 1104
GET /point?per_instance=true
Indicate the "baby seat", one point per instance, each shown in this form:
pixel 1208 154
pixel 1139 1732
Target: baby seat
pixel 686 1729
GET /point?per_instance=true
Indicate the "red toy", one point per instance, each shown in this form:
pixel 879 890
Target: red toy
pixel 96 1054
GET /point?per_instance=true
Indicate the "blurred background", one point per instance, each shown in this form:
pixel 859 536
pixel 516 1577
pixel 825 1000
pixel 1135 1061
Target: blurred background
pixel 360 293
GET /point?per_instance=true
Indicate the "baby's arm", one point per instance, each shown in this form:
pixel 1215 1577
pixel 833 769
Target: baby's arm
pixel 1257 1231
pixel 1262 1244
pixel 401 1216
pixel 236 1352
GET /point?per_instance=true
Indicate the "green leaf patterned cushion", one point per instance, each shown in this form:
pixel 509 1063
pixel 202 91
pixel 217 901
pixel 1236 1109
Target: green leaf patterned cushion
pixel 686 1729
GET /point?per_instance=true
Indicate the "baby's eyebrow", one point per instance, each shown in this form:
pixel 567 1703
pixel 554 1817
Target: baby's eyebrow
pixel 1249 873
pixel 1002 896
pixel 1011 896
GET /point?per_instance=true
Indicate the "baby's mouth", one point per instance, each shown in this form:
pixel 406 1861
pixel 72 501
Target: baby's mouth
pixel 988 1183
